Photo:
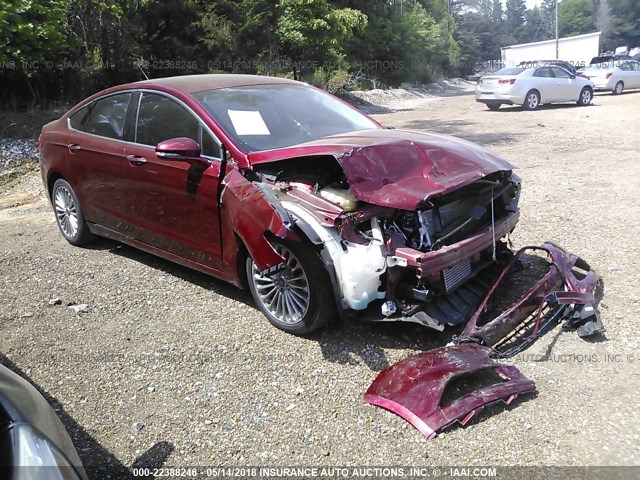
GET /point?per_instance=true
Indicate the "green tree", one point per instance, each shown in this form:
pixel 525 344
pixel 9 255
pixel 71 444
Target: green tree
pixel 32 30
pixel 534 30
pixel 625 23
pixel 576 17
pixel 314 30
pixel 514 22
pixel 33 40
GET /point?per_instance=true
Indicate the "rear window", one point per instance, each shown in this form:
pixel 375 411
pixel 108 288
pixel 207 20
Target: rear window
pixel 104 117
pixel 509 71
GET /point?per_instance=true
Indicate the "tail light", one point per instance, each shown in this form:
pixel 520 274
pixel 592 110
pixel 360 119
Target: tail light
pixel 609 75
pixel 511 81
pixel 40 142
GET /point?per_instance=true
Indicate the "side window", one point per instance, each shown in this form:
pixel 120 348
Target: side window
pixel 209 146
pixel 561 73
pixel 544 72
pixel 161 118
pixel 104 117
pixel 78 119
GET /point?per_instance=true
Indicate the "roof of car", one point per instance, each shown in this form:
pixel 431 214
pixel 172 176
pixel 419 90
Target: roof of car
pixel 199 83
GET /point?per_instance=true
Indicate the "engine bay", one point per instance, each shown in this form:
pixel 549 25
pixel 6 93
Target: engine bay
pixel 404 258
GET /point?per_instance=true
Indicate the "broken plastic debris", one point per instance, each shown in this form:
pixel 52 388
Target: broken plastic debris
pixel 388 308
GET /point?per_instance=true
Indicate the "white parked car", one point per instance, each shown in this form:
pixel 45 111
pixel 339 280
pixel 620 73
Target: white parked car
pixel 532 87
pixel 614 76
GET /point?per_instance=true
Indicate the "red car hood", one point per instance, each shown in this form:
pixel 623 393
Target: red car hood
pixel 398 168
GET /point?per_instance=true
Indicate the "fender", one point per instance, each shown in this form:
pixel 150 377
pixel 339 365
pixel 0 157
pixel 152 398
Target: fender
pixel 254 219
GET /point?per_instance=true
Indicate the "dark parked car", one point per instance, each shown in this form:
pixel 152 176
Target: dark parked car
pixel 281 187
pixel 609 58
pixel 33 442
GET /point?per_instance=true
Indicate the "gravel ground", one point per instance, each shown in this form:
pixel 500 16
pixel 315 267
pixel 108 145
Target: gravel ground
pixel 169 365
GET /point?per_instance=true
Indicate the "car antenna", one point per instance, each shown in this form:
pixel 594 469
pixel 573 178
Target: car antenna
pixel 145 75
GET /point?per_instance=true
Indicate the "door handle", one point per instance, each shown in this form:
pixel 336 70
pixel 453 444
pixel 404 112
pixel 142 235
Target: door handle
pixel 136 160
pixel 74 148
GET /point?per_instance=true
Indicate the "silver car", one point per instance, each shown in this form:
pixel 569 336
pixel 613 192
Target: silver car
pixel 531 87
pixel 614 76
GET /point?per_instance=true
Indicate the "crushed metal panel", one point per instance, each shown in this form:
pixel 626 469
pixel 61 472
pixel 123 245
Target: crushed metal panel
pixel 439 387
pixel 252 216
pixel 403 173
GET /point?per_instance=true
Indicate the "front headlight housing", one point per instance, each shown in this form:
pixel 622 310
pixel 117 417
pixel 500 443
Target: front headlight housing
pixel 36 458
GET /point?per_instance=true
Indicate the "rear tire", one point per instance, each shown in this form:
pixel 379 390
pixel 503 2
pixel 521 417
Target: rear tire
pixel 494 107
pixel 531 100
pixel 69 214
pixel 618 89
pixel 298 299
pixel 586 95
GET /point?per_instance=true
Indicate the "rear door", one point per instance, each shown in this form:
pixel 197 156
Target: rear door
pixel 96 158
pixel 545 82
pixel 173 204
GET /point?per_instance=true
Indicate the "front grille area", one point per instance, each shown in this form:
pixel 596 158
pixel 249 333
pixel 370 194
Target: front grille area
pixel 456 275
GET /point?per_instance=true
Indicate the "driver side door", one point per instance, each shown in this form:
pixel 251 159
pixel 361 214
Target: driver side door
pixel 568 89
pixel 173 204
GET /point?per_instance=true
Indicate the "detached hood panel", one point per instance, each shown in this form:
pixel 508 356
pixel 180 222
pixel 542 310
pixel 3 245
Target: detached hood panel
pixel 399 168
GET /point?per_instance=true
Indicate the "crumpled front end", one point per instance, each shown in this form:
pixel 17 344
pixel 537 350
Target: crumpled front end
pixel 539 288
pixel 418 226
pixel 414 257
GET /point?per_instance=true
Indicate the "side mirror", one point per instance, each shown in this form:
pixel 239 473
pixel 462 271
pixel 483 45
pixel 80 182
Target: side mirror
pixel 572 76
pixel 182 148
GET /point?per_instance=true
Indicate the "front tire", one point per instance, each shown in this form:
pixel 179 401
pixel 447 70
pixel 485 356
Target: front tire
pixel 617 90
pixel 531 100
pixel 297 299
pixel 69 214
pixel 586 95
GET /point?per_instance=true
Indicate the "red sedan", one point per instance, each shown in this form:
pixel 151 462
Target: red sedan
pixel 277 186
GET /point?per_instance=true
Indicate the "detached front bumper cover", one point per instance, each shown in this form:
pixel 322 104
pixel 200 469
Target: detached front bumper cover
pixel 439 387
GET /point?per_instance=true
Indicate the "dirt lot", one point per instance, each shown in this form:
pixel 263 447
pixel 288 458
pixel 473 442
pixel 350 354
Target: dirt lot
pixel 171 365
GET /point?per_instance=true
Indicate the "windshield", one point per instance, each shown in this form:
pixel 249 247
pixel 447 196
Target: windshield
pixel 509 71
pixel 265 117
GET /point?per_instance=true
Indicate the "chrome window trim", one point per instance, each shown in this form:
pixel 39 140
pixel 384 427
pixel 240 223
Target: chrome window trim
pixel 142 91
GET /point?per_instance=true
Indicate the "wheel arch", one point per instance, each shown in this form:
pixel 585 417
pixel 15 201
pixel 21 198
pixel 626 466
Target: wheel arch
pixel 533 90
pixel 52 178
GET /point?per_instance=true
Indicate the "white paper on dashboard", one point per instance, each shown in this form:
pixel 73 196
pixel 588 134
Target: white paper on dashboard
pixel 248 122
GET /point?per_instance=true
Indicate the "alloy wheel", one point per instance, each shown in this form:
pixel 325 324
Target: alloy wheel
pixel 66 211
pixel 285 294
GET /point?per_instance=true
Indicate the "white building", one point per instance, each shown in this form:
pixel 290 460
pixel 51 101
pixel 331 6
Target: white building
pixel 578 50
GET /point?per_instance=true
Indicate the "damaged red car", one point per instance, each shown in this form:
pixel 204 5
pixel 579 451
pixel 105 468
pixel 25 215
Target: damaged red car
pixel 278 186
pixel 320 211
